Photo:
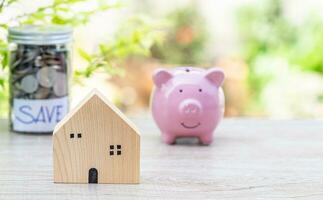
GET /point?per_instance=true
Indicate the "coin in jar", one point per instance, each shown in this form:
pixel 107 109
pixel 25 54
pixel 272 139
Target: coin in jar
pixel 29 84
pixel 46 76
pixel 60 86
pixel 38 61
pixel 42 93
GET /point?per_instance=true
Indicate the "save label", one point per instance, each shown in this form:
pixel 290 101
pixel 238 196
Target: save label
pixel 40 115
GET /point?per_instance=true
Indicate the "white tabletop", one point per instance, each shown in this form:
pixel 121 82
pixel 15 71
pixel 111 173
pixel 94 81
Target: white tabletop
pixel 249 159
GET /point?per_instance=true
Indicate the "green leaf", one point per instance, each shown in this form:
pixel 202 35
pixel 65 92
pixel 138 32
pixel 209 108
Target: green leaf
pixel 85 55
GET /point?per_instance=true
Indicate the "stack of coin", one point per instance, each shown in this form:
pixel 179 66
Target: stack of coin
pixel 39 71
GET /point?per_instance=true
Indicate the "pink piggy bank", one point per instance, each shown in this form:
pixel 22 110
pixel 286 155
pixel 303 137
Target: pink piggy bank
pixel 188 102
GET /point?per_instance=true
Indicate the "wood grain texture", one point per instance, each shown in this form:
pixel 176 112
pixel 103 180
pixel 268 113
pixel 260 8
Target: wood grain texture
pixel 96 143
pixel 249 159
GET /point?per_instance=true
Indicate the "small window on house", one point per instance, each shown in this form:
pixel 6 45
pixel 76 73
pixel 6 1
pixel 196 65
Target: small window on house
pixel 79 135
pixel 114 151
pixel 118 149
pixel 72 135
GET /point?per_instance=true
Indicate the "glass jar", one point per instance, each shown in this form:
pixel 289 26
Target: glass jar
pixel 39 77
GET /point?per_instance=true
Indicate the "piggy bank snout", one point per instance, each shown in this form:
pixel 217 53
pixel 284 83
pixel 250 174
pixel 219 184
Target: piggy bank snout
pixel 190 108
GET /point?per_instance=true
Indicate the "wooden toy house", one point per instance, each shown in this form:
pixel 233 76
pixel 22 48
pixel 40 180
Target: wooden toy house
pixel 96 143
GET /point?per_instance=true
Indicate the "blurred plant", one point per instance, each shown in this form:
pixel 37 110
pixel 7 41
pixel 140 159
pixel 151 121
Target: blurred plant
pixel 135 38
pixel 186 38
pixel 268 35
pixel 264 30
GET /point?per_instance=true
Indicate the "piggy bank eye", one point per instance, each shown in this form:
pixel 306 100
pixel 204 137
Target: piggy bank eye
pixel 180 90
pixel 200 90
pixel 187 70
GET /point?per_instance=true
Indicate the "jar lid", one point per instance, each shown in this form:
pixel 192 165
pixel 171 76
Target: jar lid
pixel 40 35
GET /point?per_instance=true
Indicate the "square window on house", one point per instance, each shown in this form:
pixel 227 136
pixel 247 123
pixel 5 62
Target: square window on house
pixel 111 147
pixel 118 152
pixel 79 135
pixel 111 153
pixel 118 146
pixel 72 135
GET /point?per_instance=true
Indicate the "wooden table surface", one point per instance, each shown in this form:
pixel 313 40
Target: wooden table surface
pixel 249 159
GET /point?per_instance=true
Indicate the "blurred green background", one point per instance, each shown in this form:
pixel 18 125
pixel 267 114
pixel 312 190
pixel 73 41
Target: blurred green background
pixel 271 50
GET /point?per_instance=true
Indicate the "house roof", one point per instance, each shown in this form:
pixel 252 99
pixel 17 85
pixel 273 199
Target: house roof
pixel 93 93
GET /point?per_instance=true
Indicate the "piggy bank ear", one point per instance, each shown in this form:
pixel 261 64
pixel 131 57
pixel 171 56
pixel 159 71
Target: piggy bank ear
pixel 216 76
pixel 161 76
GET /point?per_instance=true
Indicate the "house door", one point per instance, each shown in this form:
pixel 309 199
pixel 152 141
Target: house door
pixel 93 175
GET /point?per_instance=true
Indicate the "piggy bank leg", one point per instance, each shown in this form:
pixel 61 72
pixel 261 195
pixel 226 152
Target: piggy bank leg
pixel 168 138
pixel 206 139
